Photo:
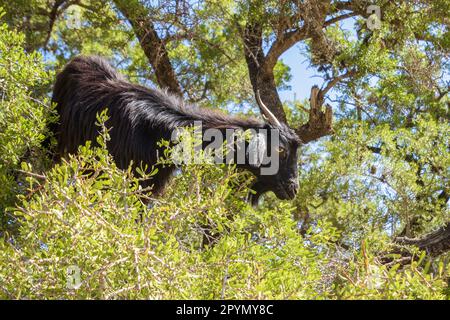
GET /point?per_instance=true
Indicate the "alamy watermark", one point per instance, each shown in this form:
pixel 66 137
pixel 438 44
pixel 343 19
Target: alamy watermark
pixel 73 274
pixel 374 20
pixel 251 147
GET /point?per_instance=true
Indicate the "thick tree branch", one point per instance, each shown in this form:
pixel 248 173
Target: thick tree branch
pixel 261 78
pixel 434 243
pixel 289 39
pixel 154 48
pixel 339 18
pixel 282 44
pixel 344 5
pixel 320 122
pixel 53 16
pixel 261 67
pixel 58 8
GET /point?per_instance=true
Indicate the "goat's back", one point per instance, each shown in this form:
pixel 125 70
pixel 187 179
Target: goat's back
pixel 78 97
pixel 85 87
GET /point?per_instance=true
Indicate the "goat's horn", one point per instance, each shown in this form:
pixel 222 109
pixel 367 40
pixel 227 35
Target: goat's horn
pixel 266 112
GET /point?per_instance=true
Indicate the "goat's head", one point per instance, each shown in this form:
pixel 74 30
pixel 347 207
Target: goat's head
pixel 282 144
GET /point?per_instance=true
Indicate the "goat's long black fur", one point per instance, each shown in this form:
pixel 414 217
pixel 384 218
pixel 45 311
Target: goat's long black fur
pixel 139 117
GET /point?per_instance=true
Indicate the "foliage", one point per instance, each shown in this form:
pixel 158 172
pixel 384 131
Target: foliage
pixel 23 112
pixel 87 213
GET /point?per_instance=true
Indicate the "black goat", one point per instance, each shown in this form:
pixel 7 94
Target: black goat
pixel 140 117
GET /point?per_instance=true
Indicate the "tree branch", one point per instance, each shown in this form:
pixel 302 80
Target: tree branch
pixel 339 18
pixel 320 122
pixel 261 67
pixel 154 48
pixel 261 78
pixel 335 81
pixel 434 243
pixel 54 13
pixel 282 44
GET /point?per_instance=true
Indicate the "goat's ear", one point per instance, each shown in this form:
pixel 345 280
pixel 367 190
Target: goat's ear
pixel 256 150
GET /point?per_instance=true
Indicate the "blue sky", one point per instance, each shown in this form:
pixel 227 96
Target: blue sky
pixel 303 76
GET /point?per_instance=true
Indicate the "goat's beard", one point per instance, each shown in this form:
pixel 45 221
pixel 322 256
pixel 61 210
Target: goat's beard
pixel 259 189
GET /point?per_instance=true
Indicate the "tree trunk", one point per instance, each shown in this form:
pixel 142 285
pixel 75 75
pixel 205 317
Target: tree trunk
pixel 154 48
pixel 260 68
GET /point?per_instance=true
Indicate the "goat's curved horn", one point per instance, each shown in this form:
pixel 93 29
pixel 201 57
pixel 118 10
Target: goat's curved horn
pixel 266 112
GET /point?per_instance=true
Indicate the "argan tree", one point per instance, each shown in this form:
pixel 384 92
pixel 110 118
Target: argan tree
pixel 375 162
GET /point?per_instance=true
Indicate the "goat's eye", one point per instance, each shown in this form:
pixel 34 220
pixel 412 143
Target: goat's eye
pixel 281 152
